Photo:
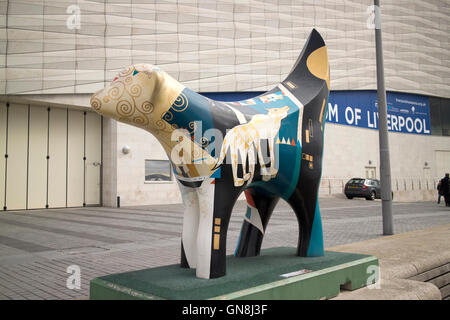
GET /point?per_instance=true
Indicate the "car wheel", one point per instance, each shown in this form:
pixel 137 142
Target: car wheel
pixel 372 196
pixel 349 197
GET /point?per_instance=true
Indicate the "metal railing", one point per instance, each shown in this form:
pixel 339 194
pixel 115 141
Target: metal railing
pixel 329 186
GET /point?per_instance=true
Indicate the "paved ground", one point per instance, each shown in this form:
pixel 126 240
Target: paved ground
pixel 413 266
pixel 37 247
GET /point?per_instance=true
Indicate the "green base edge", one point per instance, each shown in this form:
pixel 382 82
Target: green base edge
pixel 321 284
pixel 105 290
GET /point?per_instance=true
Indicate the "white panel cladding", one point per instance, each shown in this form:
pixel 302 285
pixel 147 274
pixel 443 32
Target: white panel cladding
pixel 75 155
pixel 3 135
pixel 16 173
pixel 37 157
pixel 57 165
pixel 93 161
pixel 219 45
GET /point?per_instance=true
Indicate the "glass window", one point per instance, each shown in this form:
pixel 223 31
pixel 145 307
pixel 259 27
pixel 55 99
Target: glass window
pixel 445 116
pixel 440 116
pixel 158 170
pixel 357 181
pixel 435 116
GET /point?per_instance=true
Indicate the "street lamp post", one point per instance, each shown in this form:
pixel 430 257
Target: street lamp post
pixel 385 166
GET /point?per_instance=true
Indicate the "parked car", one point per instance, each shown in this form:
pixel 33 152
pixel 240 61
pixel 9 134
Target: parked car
pixel 363 188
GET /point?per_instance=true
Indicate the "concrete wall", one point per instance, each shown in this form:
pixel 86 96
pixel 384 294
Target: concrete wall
pixel 109 163
pixel 219 45
pixel 348 151
pixel 131 185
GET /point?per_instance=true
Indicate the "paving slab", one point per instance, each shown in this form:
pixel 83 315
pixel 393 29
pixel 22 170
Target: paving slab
pixel 402 257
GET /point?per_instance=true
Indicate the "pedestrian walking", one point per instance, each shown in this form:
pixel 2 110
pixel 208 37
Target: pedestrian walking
pixel 439 192
pixel 445 189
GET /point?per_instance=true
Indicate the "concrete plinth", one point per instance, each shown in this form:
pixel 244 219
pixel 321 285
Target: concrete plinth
pixel 267 276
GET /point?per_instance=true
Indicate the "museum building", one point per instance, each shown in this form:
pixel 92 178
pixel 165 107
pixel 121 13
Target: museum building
pixel 56 152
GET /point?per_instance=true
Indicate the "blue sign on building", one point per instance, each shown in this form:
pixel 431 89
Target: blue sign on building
pixel 407 113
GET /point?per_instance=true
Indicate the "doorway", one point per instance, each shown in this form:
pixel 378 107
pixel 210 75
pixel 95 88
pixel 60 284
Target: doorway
pixel 371 173
pixel 52 157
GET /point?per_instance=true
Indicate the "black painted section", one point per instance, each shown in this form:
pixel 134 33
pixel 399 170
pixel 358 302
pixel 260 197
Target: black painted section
pixel 304 198
pixel 225 198
pixel 251 237
pixel 190 184
pixel 184 263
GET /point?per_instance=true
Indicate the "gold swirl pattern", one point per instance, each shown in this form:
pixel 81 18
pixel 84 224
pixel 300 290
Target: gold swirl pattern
pixel 124 108
pixel 116 91
pixel 125 119
pixel 96 103
pixel 147 107
pixel 140 120
pixel 181 103
pixel 161 124
pixel 128 80
pixel 168 116
pixel 126 72
pixel 127 98
pixel 135 90
pixel 205 142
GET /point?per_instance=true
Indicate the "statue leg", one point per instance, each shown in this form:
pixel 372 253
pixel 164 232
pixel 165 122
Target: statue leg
pixel 259 211
pixel 216 200
pixel 190 226
pixel 305 204
pixel 204 240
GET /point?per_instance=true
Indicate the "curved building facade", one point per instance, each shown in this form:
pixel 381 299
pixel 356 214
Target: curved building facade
pixel 55 54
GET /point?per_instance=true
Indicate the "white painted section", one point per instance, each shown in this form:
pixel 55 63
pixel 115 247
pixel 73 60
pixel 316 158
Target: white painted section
pixel 190 223
pixel 255 219
pixel 238 114
pixel 204 235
